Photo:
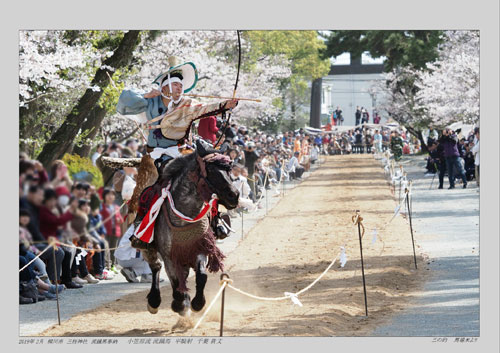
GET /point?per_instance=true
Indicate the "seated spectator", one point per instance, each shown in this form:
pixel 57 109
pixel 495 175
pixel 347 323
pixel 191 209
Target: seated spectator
pixel 32 203
pixel 293 167
pixel 82 238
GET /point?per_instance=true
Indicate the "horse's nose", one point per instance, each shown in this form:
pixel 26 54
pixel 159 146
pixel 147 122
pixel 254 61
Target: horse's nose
pixel 233 199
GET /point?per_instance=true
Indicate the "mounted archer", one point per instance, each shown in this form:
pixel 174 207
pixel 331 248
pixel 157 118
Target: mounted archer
pixel 173 114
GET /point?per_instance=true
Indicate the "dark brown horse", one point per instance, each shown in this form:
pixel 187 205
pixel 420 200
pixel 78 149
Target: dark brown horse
pixel 194 179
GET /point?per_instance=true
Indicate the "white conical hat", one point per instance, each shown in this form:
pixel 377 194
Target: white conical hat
pixel 188 71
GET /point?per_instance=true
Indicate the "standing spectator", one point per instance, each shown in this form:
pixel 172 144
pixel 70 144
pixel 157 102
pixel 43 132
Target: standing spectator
pixel 396 145
pixel 334 118
pixel 358 142
pixel 340 118
pixel 475 151
pixel 112 222
pixel 251 157
pixel 98 151
pixel 364 116
pixel 377 140
pixel 357 115
pixel 449 141
pixel 368 141
pixel 133 145
pixel 207 129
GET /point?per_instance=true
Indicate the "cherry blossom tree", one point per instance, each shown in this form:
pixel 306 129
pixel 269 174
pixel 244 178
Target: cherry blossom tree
pixel 449 88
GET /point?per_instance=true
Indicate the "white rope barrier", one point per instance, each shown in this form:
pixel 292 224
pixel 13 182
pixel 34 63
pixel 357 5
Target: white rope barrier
pixel 288 295
pixel 40 254
pixel 211 304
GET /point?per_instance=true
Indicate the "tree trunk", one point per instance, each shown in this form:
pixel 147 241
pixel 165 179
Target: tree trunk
pixel 418 134
pixel 293 121
pixel 92 123
pixel 62 139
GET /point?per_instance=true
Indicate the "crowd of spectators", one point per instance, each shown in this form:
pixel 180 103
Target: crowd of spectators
pixel 52 206
pixel 365 139
pixel 75 213
pixel 455 155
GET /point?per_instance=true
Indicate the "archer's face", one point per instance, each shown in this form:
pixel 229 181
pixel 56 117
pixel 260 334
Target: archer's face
pixel 176 90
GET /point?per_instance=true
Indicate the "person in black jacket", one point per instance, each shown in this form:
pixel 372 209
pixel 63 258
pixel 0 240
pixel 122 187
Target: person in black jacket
pixel 251 156
pixel 357 115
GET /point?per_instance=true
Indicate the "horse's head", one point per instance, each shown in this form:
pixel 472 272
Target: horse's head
pixel 215 168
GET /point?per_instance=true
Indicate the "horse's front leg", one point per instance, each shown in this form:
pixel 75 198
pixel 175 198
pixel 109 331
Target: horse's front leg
pixel 154 298
pixel 182 301
pixel 198 301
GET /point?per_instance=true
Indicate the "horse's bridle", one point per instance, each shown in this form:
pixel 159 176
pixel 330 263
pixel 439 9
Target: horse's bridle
pixel 202 161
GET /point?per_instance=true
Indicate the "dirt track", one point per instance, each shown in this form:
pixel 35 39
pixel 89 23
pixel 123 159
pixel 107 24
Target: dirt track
pixel 285 252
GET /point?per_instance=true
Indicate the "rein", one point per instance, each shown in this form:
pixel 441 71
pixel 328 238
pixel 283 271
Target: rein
pixel 206 207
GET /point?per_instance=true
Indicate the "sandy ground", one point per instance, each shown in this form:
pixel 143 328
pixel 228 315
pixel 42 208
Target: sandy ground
pixel 285 252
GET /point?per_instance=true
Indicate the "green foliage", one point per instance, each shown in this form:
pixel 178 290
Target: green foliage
pixel 77 164
pixel 303 48
pixel 402 48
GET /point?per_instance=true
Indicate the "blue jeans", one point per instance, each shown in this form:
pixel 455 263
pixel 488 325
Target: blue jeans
pixel 453 164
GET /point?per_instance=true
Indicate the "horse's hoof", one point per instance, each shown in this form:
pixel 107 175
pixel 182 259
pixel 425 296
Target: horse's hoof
pixel 177 306
pixel 198 303
pixel 152 310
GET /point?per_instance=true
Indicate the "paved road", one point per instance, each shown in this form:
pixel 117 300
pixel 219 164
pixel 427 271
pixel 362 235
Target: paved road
pixel 35 318
pixel 447 226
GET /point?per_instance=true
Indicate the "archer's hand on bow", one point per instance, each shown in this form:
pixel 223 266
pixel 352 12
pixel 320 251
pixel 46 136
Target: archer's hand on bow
pixel 230 104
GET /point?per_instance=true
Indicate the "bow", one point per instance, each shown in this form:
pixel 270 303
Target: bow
pixel 235 87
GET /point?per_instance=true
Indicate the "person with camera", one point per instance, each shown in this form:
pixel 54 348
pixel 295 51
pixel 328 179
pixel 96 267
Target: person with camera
pixel 449 141
pixel 251 156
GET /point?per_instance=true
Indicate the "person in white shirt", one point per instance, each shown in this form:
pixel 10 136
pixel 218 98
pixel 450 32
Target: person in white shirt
pixel 293 167
pixel 131 260
pixel 241 183
pixel 314 153
pixel 97 153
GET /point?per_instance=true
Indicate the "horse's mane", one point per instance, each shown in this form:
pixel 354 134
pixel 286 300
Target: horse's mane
pixel 175 167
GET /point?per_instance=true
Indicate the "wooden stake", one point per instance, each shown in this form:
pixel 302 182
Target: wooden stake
pixel 411 227
pixel 362 263
pixel 221 330
pixel 55 280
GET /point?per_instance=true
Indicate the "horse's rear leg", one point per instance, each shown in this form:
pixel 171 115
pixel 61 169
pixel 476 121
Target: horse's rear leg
pixel 198 301
pixel 154 298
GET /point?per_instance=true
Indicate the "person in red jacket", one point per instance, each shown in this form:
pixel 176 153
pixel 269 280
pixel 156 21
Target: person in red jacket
pixel 50 219
pixel 207 128
pixel 112 218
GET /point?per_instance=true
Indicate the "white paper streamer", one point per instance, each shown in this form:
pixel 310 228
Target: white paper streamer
pixel 294 298
pixel 343 257
pixel 78 257
pixel 374 238
pixel 396 211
